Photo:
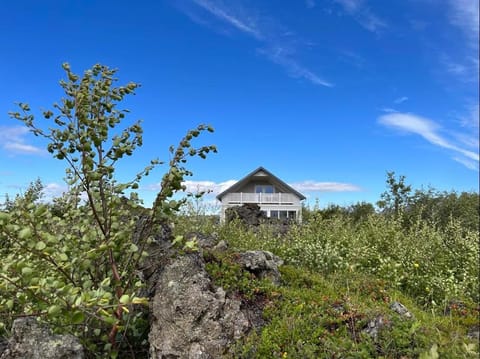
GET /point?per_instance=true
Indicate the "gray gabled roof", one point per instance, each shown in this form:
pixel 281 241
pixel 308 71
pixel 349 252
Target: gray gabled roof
pixel 276 181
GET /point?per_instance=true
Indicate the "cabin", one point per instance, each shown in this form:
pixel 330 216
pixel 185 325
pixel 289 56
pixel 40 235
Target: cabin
pixel 275 198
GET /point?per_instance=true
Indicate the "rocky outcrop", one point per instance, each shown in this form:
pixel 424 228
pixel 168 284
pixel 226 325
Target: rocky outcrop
pixel 204 241
pixel 474 332
pixel 263 264
pixel 34 341
pixel 401 310
pixel 375 325
pixel 192 318
pixel 249 213
pixel 380 322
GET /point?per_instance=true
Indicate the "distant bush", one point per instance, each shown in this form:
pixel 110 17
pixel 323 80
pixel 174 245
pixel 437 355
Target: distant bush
pixel 431 264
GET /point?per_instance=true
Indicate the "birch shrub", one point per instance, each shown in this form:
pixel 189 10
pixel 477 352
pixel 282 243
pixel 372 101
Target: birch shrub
pixel 432 264
pixel 75 264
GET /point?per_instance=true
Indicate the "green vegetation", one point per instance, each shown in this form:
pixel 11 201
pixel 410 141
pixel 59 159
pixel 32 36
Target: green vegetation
pixel 73 263
pixel 345 266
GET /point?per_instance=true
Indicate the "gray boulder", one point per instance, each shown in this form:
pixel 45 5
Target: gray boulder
pixel 401 310
pixel 190 317
pixel 263 264
pixel 204 240
pixel 34 341
pixel 376 325
pixel 249 213
pixel 474 332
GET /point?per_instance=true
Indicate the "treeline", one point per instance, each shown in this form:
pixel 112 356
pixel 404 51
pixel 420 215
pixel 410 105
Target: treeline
pixel 437 208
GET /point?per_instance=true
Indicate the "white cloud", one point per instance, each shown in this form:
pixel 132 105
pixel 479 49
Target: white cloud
pixel 463 68
pixel 52 190
pixel 362 14
pixel 213 187
pixel 304 186
pixel 313 186
pixel 278 43
pixel 400 100
pixel 465 15
pixel 17 147
pixel 471 165
pixel 470 124
pixel 471 119
pixel 223 14
pixel 388 110
pixel 12 139
pixel 427 129
pixel 197 186
pixel 280 56
pixel 463 64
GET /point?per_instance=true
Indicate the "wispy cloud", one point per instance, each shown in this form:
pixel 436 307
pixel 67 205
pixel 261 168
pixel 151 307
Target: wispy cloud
pixel 388 110
pixel 362 14
pixel 197 186
pixel 465 15
pixel 53 190
pixel 215 188
pixel 313 186
pixel 469 121
pixel 13 140
pixel 275 45
pixel 400 100
pixel 463 63
pixel 294 69
pixel 310 3
pixel 210 186
pixel 472 118
pixel 471 165
pixel 463 68
pixel 429 130
pixel 223 14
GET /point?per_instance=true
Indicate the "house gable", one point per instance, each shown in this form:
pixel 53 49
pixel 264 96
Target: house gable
pixel 258 177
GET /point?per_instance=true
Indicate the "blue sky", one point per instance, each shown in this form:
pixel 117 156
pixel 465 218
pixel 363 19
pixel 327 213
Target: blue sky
pixel 328 95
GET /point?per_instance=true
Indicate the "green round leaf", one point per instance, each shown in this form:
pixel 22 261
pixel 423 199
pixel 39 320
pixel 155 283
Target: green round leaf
pixel 25 233
pixel 40 246
pixel 63 257
pixel 78 317
pixel 125 299
pixel 54 309
pixel 27 270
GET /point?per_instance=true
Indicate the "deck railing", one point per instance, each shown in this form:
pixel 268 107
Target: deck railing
pixel 261 198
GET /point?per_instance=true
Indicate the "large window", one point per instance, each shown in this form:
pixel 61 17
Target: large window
pixel 283 214
pixel 264 189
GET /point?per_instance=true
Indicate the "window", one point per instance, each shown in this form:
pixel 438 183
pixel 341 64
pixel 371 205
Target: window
pixel 283 214
pixel 264 189
pixel 273 214
pixel 292 214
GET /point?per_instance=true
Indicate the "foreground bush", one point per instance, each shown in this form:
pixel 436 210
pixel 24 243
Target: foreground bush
pixel 74 263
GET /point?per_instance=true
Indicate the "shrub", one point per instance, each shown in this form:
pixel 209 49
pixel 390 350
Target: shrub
pixel 75 265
